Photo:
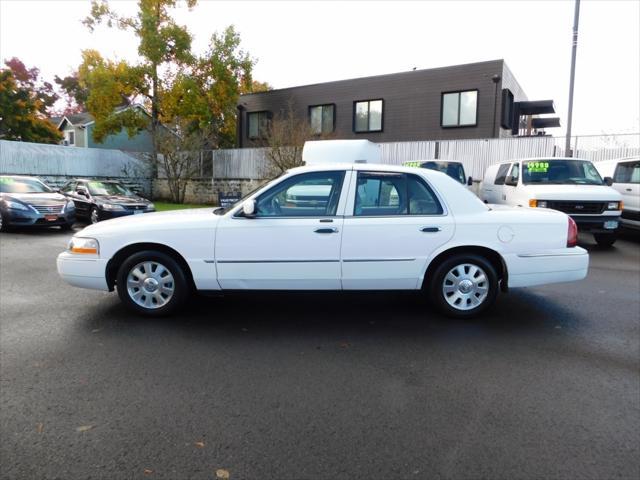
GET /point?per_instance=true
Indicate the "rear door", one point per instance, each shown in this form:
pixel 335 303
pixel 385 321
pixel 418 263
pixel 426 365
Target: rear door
pixel 392 224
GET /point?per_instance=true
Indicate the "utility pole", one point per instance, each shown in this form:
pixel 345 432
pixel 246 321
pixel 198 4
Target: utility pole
pixel 576 18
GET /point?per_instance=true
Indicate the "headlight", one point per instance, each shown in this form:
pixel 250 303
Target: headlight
pixel 533 203
pixel 111 207
pixel 83 245
pixel 151 206
pixel 70 206
pixel 542 204
pixel 614 206
pixel 15 205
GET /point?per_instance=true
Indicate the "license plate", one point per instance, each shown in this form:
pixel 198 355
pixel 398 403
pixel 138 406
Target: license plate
pixel 136 212
pixel 51 218
pixel 611 224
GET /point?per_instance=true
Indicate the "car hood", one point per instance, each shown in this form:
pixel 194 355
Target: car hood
pixel 121 200
pixel 37 198
pixel 573 192
pixel 158 221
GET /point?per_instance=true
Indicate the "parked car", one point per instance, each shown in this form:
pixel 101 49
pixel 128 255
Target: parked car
pixel 625 178
pixel 377 227
pixel 454 169
pixel 570 185
pixel 28 202
pixel 98 200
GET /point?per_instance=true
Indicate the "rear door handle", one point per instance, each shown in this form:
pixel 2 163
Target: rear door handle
pixel 628 189
pixel 430 229
pixel 326 230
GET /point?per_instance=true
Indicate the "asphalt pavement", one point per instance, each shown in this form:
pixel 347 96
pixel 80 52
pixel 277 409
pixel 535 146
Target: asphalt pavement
pixel 318 386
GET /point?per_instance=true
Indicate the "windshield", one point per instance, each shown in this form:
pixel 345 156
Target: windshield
pixel 107 188
pixel 560 172
pixel 22 185
pixel 453 169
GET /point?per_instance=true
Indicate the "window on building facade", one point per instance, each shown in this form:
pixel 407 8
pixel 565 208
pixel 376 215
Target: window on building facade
pixel 367 116
pixel 258 124
pixel 459 109
pixel 71 138
pixel 321 118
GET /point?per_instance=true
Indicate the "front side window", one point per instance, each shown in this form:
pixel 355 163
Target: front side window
pixel 321 118
pixel 391 194
pixel 628 172
pixel 367 116
pixel 515 175
pixel 560 172
pixel 459 109
pixel 258 124
pixel 307 195
pixel 502 174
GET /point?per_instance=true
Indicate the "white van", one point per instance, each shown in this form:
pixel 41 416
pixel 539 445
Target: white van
pixel 570 185
pixel 453 169
pixel 625 177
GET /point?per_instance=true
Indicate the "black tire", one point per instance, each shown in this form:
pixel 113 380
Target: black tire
pixel 66 227
pixel 180 283
pixel 4 225
pixel 437 282
pixel 605 240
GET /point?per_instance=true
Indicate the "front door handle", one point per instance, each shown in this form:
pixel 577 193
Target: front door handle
pixel 628 189
pixel 326 230
pixel 430 229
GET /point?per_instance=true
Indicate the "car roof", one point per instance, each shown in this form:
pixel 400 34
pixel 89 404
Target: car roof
pixel 377 167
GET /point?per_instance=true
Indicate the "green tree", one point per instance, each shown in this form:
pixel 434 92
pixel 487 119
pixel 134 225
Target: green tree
pixel 74 93
pixel 24 104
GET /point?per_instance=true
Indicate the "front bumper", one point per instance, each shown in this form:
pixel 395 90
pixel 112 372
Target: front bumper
pixel 549 266
pixel 83 272
pixel 109 214
pixel 596 223
pixel 28 218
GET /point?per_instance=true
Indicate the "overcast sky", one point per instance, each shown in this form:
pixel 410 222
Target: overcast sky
pixel 304 42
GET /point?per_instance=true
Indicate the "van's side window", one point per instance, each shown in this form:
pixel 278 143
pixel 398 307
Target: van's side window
pixel 502 174
pixel 515 172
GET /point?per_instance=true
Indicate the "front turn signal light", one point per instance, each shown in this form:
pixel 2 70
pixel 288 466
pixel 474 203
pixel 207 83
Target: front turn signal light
pixel 533 203
pixel 82 245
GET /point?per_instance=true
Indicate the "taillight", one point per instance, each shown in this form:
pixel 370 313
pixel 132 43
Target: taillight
pixel 572 234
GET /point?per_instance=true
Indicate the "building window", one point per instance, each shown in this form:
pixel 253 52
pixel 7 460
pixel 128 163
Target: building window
pixel 459 109
pixel 258 124
pixel 71 138
pixel 367 116
pixel 322 118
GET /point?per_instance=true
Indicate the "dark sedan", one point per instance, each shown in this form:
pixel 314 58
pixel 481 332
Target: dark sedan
pixel 27 202
pixel 98 200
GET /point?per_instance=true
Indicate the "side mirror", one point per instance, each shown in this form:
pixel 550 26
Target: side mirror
pixel 512 182
pixel 249 208
pixel 608 181
pixel 470 181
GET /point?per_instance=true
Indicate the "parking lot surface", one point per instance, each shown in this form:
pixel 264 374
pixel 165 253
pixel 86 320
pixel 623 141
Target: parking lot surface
pixel 371 386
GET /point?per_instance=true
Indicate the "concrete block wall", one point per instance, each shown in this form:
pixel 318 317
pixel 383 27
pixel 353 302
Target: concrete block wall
pixel 205 191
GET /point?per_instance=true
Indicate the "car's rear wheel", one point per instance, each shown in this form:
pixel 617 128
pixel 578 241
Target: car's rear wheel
pixel 464 286
pixel 151 283
pixel 605 240
pixel 3 223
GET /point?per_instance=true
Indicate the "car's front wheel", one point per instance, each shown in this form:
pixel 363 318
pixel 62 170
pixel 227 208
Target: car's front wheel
pixel 464 285
pixel 152 283
pixel 605 240
pixel 94 216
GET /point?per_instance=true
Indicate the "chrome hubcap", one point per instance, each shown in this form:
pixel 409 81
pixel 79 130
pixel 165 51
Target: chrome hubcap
pixel 94 216
pixel 465 286
pixel 150 284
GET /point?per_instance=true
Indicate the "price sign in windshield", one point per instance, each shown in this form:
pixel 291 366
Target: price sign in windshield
pixel 537 167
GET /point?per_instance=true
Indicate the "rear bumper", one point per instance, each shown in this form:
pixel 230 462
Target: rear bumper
pixel 83 272
pixel 551 266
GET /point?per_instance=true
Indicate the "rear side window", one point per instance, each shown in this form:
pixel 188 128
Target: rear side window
pixel 391 194
pixel 628 172
pixel 502 174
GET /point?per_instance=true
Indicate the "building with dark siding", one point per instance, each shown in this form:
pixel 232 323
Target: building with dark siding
pixel 476 100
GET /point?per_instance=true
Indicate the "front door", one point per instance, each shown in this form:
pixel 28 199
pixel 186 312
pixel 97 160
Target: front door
pixel 292 242
pixel 626 180
pixel 393 223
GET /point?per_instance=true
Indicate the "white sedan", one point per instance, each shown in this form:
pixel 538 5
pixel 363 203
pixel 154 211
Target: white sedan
pixel 354 226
